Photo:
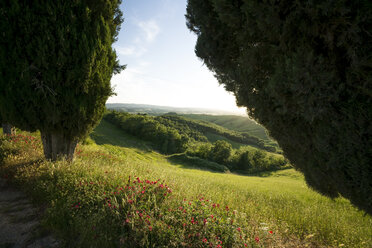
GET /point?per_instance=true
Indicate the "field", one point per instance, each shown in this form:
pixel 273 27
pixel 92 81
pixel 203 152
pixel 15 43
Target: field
pixel 85 207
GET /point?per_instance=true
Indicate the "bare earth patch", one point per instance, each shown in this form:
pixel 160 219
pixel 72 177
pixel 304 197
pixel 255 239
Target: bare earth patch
pixel 19 221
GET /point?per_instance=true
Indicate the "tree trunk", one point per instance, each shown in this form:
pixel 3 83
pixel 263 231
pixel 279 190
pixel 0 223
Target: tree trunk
pixel 56 146
pixel 7 129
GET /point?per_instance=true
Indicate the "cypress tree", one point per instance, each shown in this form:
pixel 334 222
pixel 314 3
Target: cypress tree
pixel 56 64
pixel 303 69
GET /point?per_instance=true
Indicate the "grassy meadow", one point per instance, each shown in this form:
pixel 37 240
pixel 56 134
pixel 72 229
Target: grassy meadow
pixel 118 192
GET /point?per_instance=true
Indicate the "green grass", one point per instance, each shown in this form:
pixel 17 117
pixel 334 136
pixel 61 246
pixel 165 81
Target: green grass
pixel 277 201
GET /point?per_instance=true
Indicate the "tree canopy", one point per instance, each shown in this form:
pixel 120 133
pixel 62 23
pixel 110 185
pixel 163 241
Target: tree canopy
pixel 303 69
pixel 56 64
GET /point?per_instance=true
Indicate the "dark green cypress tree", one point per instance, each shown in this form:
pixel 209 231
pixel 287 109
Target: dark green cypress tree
pixel 303 69
pixel 56 64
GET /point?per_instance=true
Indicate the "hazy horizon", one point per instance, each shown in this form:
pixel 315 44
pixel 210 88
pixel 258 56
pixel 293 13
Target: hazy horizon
pixel 240 112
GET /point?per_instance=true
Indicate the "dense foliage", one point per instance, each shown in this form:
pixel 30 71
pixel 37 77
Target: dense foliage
pixel 56 65
pixel 303 70
pixel 174 134
pixel 243 160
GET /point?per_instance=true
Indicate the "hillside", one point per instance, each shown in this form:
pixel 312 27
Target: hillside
pixel 233 122
pixel 88 205
pixel 172 134
pixel 199 130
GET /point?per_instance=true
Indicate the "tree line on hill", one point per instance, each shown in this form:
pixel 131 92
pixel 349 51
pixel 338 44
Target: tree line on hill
pixel 174 134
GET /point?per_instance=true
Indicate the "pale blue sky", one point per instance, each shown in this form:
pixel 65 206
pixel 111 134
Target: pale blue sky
pixel 162 68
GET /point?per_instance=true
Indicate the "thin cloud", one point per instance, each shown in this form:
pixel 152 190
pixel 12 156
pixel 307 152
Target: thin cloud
pixel 150 29
pixel 125 50
pixel 133 51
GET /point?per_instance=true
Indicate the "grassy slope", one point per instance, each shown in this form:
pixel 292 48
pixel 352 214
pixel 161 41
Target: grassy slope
pixel 232 122
pixel 280 199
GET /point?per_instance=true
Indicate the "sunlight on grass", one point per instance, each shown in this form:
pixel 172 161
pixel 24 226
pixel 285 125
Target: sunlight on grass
pixel 276 203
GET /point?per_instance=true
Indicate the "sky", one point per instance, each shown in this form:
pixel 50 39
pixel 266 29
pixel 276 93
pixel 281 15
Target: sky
pixel 162 68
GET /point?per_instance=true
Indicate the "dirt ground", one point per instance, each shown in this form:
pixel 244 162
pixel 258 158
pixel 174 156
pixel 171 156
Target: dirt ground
pixel 19 221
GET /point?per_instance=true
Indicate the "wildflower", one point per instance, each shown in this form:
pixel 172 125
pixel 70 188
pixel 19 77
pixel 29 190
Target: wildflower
pixel 193 221
pixel 238 229
pixel 271 232
pixel 205 240
pixel 127 220
pixel 257 239
pixel 150 228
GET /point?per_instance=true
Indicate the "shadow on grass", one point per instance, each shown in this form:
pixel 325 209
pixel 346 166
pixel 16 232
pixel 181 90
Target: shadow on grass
pixel 268 173
pixel 188 162
pixel 107 133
